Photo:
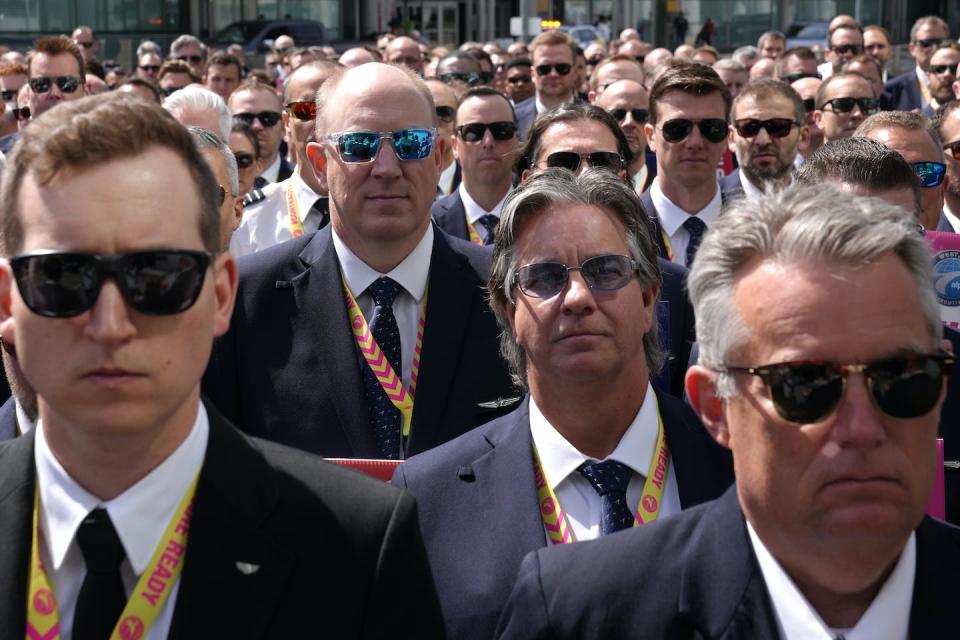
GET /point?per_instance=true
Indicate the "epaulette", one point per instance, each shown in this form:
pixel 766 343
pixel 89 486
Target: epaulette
pixel 253 197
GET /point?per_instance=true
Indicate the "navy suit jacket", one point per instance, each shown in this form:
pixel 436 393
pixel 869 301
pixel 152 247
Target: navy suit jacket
pixel 950 432
pixel 451 216
pixel 526 113
pixel 731 187
pixel 342 548
pixel 289 368
pixel 691 576
pixel 8 420
pixel 903 92
pixel 479 511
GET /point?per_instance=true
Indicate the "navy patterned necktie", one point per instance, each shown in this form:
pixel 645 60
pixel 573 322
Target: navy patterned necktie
pixel 489 223
pixel 385 419
pixel 102 597
pixel 610 479
pixel 696 228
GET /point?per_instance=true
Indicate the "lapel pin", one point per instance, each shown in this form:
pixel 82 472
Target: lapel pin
pixel 247 569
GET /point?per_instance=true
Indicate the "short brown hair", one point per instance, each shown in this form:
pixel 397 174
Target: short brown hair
pixel 93 130
pixel 225 60
pixel 617 57
pixel 15 69
pixel 800 53
pixel 55 46
pixel 554 37
pixel 176 66
pixel 767 87
pixel 254 83
pixel 689 77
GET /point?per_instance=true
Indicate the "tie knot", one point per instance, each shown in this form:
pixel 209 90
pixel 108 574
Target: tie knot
pixel 384 291
pixel 489 223
pixel 101 547
pixel 607 477
pixel 694 226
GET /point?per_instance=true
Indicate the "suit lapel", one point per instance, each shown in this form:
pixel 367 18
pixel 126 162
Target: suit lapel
pixel 17 487
pixel 322 315
pixel 656 229
pixel 459 217
pixel 934 587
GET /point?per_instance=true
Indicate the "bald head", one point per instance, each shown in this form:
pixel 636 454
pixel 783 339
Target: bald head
pixel 356 56
pixel 405 51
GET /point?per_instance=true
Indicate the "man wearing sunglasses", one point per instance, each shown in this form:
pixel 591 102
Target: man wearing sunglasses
pixel 148 66
pixel 766 131
pixel 85 39
pixel 943 74
pixel 832 431
pixel 843 101
pixel 189 49
pixel 112 304
pixel 298 205
pixel 445 103
pixel 574 287
pixel 554 54
pixel 796 63
pixel 627 102
pixel 56 73
pixel 380 274
pixel 844 41
pixel 12 77
pixel 485 146
pixel 460 71
pixel 611 69
pixel 173 76
pixel 911 91
pixel 520 87
pixel 909 134
pixel 258 105
pixel 947 123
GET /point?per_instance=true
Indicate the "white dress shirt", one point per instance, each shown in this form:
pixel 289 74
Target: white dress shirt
pixel 271 173
pixel 24 423
pixel 578 499
pixel 474 211
pixel 446 179
pixel 412 274
pixel 887 617
pixel 267 223
pixel 140 516
pixel 672 218
pixel 749 190
pixel 951 216
pixel 825 69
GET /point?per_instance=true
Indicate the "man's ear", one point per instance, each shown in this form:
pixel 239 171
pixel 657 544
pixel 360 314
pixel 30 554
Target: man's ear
pixel 701 384
pixel 649 130
pixel 318 160
pixel 225 289
pixel 285 116
pixel 7 329
pixel 731 140
pixel 454 148
pixel 818 119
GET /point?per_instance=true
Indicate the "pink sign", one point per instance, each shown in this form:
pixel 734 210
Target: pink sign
pixel 937 507
pixel 946 274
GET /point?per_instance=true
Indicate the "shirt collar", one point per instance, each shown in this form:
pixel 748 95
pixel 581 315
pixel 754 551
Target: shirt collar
pixel 922 75
pixel 475 211
pixel 559 458
pixel 639 179
pixel 446 178
pixel 749 190
pixel 24 423
pixel 140 514
pixel 271 173
pixel 541 108
pixel 306 197
pixel 672 217
pixel 411 273
pixel 888 616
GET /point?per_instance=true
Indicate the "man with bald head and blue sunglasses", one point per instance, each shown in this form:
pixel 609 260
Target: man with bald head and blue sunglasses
pixel 370 338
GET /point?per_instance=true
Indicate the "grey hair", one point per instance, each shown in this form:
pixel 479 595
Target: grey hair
pixel 202 100
pixel 908 120
pixel 187 40
pixel 814 224
pixel 206 139
pixel 748 52
pixel 548 188
pixel 148 46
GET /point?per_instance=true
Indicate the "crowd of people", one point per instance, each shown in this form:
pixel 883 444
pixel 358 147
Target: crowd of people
pixel 673 308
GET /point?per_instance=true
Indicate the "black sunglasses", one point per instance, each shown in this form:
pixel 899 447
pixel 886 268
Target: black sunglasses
pixel 571 160
pixel 639 115
pixel 475 131
pixel 775 127
pixel 8 95
pixel 808 391
pixel 21 113
pixel 85 45
pixel 809 105
pixel 304 110
pixel 446 114
pixel 793 77
pixel 519 79
pixel 64 285
pixel 244 160
pixel 930 42
pixel 941 69
pixel 601 273
pixel 67 84
pixel 169 91
pixel 713 129
pixel 266 118
pixel 562 69
pixel 595 61
pixel 844 49
pixel 469 77
pixel 192 59
pixel 152 68
pixel 846 105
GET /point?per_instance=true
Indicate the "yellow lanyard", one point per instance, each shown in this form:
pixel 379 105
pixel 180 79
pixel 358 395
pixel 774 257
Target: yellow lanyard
pixel 152 590
pixel 472 232
pixel 666 244
pixel 293 211
pixel 391 383
pixel 555 521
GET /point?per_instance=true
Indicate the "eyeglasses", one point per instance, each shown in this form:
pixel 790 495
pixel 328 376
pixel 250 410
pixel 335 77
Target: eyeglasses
pixel 846 105
pixel 67 84
pixel 85 45
pixel 519 79
pixel 953 148
pixel 244 160
pixel 809 105
pixel 150 68
pixel 64 285
pixel 929 42
pixel 305 110
pixel 8 95
pixel 601 273
pixel 809 391
pixel 22 113
pixel 595 61
pixel 470 77
pixel 793 77
pixel 571 160
pixel 190 59
pixel 713 129
pixel 942 69
pixel 475 131
pixel 844 49
pixel 930 173
pixel 267 118
pixel 544 69
pixel 356 147
pixel 169 91
pixel 775 127
pixel 639 115
pixel 446 114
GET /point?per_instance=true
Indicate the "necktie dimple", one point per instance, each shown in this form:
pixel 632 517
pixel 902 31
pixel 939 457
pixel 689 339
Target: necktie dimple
pixel 696 228
pixel 385 418
pixel 610 480
pixel 102 597
pixel 321 209
pixel 489 223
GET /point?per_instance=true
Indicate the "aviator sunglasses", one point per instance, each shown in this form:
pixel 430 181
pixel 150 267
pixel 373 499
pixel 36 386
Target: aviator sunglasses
pixel 571 160
pixel 809 391
pixel 639 115
pixel 475 131
pixel 63 285
pixel 601 273
pixel 775 127
pixel 267 118
pixel 67 84
pixel 677 130
pixel 356 147
pixel 305 110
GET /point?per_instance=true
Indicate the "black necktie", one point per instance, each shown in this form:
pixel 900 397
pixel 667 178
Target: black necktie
pixel 321 209
pixel 489 223
pixel 696 228
pixel 102 597
pixel 385 419
pixel 610 480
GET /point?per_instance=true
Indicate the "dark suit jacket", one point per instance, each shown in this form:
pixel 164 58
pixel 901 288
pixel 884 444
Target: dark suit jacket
pixel 526 113
pixel 903 92
pixel 451 216
pixel 479 512
pixel 337 552
pixel 285 169
pixel 691 576
pixel 950 432
pixel 730 186
pixel 944 224
pixel 8 420
pixel 651 210
pixel 289 369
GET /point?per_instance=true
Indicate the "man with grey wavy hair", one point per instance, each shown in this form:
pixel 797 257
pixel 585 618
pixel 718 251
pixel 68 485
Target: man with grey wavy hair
pixel 822 370
pixel 199 107
pixel 224 166
pixel 574 285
